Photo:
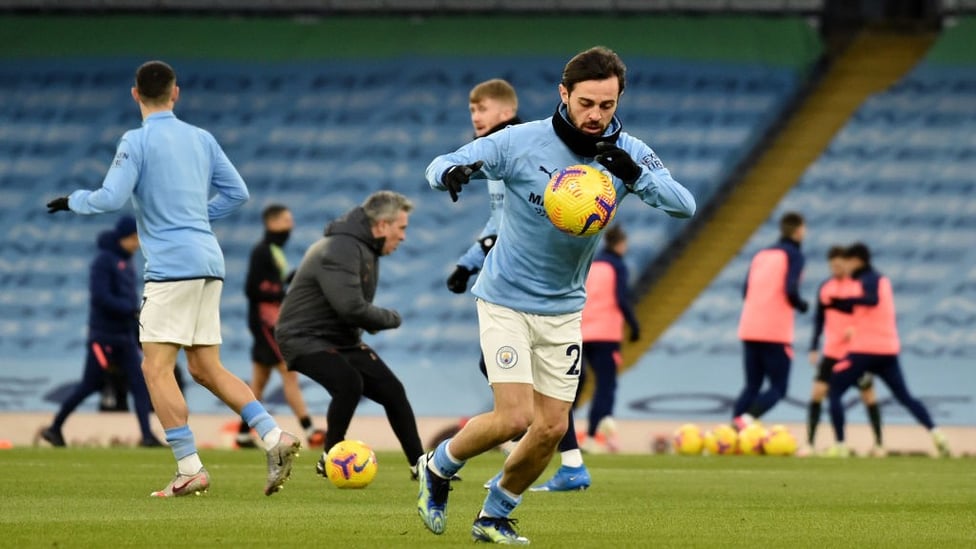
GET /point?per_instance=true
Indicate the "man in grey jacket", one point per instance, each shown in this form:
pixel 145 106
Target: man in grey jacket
pixel 330 303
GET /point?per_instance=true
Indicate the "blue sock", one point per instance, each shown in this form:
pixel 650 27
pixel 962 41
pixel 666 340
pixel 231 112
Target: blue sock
pixel 254 414
pixel 444 464
pixel 180 440
pixel 499 503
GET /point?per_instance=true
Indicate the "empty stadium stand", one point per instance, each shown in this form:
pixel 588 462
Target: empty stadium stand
pixel 898 177
pixel 319 137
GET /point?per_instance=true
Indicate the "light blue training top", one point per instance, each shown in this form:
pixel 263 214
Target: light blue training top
pixel 168 167
pixel 533 267
pixel 474 257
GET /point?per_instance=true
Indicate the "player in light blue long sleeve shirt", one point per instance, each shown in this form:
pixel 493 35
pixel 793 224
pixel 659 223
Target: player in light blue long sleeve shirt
pixel 171 199
pixel 168 167
pixel 532 287
pixel 524 157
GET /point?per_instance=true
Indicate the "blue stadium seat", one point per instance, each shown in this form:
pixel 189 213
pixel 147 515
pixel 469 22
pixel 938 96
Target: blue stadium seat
pixel 318 137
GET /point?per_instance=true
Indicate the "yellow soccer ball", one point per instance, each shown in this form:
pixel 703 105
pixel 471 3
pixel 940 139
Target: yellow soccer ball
pixel 688 440
pixel 751 440
pixel 350 464
pixel 779 441
pixel 721 440
pixel 580 200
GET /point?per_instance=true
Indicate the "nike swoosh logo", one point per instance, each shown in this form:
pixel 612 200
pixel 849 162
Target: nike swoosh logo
pixel 181 487
pixel 359 468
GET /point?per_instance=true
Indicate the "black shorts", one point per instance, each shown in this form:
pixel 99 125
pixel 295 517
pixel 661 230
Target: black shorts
pixel 826 368
pixel 265 350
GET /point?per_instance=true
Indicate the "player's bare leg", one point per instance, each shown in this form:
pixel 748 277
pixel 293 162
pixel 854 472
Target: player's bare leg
pixel 205 367
pixel 533 453
pixel 164 392
pixel 511 416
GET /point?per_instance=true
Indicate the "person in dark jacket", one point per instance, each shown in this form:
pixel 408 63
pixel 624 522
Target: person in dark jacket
pixel 112 330
pixel 267 274
pixel 328 306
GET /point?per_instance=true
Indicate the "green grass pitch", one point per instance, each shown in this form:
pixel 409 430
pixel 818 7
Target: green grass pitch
pixel 99 498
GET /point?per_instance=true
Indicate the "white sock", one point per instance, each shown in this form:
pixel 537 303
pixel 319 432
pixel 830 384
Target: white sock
pixel 572 458
pixel 190 465
pixel 272 437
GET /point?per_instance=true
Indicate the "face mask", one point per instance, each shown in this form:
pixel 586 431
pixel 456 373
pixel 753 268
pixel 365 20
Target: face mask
pixel 278 238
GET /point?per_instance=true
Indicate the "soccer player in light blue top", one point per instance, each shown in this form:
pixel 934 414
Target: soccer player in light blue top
pixel 168 168
pixel 493 105
pixel 532 288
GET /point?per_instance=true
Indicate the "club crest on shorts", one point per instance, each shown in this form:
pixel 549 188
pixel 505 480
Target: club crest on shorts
pixel 506 357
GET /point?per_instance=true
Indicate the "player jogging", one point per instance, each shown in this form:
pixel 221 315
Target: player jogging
pixel 493 105
pixel 169 168
pixel 771 293
pixel 531 290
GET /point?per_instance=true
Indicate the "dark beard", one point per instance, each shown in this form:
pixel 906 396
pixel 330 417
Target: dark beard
pixel 580 143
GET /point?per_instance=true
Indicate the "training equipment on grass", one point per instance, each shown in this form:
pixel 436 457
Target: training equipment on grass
pixel 779 441
pixel 580 200
pixel 688 440
pixel 721 440
pixel 350 464
pixel 751 440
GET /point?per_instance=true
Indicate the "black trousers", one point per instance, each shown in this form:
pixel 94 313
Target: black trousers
pixel 351 374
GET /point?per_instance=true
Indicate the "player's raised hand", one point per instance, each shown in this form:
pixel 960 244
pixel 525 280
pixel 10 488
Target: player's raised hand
pixel 618 162
pixel 58 205
pixel 457 176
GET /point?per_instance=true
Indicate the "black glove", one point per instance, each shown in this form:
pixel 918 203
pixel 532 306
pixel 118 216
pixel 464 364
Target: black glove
pixel 58 205
pixel 618 162
pixel 803 307
pixel 458 281
pixel 488 242
pixel 842 305
pixel 457 176
pixel 634 333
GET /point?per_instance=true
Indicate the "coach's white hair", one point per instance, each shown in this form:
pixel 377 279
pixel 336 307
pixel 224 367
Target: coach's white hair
pixel 385 205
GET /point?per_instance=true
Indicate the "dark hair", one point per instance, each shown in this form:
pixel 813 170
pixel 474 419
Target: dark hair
pixel 789 223
pixel 596 63
pixel 613 236
pixel 154 81
pixel 272 211
pixel 835 251
pixel 858 250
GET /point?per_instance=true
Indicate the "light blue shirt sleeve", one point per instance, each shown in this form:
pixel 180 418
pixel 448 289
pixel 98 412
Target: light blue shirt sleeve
pixel 488 149
pixel 231 191
pixel 117 186
pixel 474 257
pixel 655 186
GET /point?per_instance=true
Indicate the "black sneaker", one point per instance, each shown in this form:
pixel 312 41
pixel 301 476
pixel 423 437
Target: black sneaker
pixel 53 436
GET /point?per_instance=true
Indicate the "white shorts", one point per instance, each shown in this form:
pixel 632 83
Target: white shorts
pixel 542 350
pixel 184 312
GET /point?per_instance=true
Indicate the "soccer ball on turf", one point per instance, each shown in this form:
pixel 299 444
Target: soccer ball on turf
pixel 580 200
pixel 688 440
pixel 721 440
pixel 751 440
pixel 350 464
pixel 779 441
